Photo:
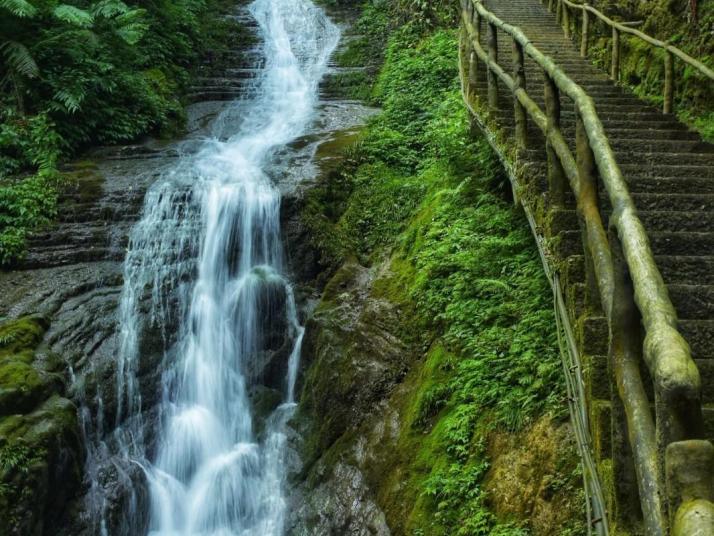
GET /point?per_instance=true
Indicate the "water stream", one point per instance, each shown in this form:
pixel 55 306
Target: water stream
pixel 210 238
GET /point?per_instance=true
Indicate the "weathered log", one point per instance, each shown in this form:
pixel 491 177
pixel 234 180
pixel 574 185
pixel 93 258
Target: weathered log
pixel 668 106
pixel 493 58
pixel 519 82
pixel 585 34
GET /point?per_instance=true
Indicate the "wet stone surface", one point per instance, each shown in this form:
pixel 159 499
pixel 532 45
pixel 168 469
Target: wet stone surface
pixel 73 272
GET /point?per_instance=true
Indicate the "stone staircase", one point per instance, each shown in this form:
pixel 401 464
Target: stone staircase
pixel 669 171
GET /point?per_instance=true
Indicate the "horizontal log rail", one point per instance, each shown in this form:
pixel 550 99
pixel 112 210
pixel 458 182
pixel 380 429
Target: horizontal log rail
pixel 627 280
pixel 563 9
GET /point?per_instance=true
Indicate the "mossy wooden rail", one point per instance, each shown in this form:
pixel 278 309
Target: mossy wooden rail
pixel 564 10
pixel 621 271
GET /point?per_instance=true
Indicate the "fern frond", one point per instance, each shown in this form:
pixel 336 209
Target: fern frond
pixel 131 27
pixel 132 33
pixel 74 16
pixel 109 8
pixel 19 59
pixel 71 101
pixel 19 8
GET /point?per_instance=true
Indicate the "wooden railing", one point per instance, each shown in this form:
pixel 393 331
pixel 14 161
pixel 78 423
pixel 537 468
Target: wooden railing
pixel 565 9
pixel 623 271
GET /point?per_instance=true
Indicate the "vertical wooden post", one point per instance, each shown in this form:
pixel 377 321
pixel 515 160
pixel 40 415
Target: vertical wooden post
pixel 519 79
pixel 493 56
pixel 468 58
pixel 550 5
pixel 668 107
pixel 588 205
pixel 625 357
pixel 566 20
pixel 690 487
pixel 585 34
pixel 585 158
pixel 473 69
pixel 615 72
pixel 559 11
pixel 556 173
pixel 477 25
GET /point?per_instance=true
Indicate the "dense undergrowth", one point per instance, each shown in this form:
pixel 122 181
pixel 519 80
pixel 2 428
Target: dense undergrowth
pixel 424 195
pixel 88 72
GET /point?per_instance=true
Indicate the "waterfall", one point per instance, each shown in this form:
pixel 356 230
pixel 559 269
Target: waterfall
pixel 210 237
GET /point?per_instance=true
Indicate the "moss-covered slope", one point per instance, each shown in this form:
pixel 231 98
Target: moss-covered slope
pixel 433 399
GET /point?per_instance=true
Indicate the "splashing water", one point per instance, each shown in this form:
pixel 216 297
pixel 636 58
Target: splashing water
pixel 214 219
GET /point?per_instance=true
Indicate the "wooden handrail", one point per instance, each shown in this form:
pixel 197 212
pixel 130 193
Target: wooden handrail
pixel 619 27
pixel 666 353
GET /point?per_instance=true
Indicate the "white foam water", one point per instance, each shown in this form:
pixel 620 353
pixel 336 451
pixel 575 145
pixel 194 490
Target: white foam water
pixel 210 234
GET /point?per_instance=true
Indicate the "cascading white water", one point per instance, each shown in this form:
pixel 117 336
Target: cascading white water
pixel 215 218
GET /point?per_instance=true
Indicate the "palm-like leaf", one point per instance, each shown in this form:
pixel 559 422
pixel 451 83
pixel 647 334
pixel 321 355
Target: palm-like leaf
pixel 71 100
pixel 74 16
pixel 131 27
pixel 109 8
pixel 19 8
pixel 18 59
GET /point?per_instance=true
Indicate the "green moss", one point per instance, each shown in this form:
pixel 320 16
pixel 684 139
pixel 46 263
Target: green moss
pixel 21 335
pixel 416 217
pixel 23 383
pixel 40 464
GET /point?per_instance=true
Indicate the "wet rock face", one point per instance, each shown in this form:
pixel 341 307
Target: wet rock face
pixel 342 504
pixel 40 449
pixel 355 360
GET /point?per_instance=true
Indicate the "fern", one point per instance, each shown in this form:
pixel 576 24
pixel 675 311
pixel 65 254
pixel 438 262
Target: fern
pixel 74 16
pixel 70 100
pixel 19 60
pixel 131 28
pixel 109 8
pixel 19 8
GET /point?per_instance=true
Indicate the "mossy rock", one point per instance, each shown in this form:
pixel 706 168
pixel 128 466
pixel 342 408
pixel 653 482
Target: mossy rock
pixel 22 387
pixel 21 335
pixel 24 384
pixel 40 467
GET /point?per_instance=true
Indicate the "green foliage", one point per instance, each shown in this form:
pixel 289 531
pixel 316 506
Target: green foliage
pixel 25 205
pixel 28 142
pixel 19 8
pixel 419 190
pixel 86 72
pixel 14 458
pixel 428 13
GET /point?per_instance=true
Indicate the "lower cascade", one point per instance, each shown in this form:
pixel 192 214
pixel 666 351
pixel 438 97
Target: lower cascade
pixel 205 264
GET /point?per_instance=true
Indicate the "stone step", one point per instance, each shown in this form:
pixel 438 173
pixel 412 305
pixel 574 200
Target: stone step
pixel 662 243
pixel 653 220
pixel 698 333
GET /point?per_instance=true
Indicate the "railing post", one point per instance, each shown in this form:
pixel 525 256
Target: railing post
pixel 473 68
pixel 690 487
pixel 668 82
pixel 556 173
pixel 615 71
pixel 559 11
pixel 585 33
pixel 519 79
pixel 566 20
pixel 477 25
pixel 588 203
pixel 493 56
pixel 625 355
pixel 551 5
